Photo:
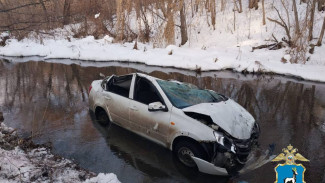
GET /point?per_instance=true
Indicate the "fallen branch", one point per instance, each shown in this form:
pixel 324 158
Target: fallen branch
pixel 274 46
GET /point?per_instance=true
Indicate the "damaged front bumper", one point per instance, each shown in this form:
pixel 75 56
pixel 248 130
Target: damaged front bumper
pixel 230 156
pixel 256 159
pixel 209 168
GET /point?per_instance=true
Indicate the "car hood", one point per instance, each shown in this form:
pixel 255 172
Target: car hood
pixel 228 115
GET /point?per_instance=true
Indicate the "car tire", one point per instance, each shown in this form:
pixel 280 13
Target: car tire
pixel 102 118
pixel 185 149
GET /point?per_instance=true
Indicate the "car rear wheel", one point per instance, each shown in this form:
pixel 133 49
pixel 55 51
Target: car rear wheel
pixel 102 117
pixel 184 151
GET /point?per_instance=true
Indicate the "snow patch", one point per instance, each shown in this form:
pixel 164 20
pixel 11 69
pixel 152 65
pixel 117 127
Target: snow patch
pixel 103 178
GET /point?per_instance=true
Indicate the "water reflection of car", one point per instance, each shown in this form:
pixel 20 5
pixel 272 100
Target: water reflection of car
pixel 204 129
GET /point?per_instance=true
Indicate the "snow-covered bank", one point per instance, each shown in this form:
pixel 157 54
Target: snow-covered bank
pixel 227 46
pixel 22 161
pixel 239 58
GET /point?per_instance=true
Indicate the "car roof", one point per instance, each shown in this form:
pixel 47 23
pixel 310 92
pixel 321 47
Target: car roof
pixel 151 78
pixel 147 76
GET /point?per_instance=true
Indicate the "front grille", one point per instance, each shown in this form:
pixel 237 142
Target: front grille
pixel 243 146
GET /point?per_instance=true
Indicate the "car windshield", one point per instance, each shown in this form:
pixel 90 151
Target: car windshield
pixel 184 95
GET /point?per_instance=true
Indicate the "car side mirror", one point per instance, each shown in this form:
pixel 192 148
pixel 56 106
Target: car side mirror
pixel 157 106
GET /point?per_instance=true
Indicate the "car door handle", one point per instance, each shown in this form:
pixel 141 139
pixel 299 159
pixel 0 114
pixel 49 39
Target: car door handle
pixel 133 108
pixel 108 98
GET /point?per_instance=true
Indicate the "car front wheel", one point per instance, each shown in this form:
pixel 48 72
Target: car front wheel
pixel 185 150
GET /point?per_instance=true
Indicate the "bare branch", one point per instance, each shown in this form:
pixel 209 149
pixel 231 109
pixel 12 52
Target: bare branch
pixel 282 24
pixel 22 6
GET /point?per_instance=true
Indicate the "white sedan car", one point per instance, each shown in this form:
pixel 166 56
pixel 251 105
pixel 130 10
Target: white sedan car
pixel 204 129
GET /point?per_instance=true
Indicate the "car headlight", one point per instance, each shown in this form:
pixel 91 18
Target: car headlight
pixel 224 141
pixel 219 137
pixel 255 130
pixel 257 126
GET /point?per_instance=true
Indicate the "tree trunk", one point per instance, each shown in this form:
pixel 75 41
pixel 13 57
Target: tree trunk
pixel 213 13
pixel 253 4
pixel 138 15
pixel 296 17
pixel 263 9
pixel 183 24
pixel 170 26
pixel 234 20
pixel 321 5
pixel 66 12
pixel 120 20
pixel 311 23
pixel 45 12
pixel 319 43
pixel 222 6
pixel 235 6
pixel 240 6
pixel 146 33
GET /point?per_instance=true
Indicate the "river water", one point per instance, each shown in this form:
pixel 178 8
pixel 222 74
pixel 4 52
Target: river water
pixel 49 101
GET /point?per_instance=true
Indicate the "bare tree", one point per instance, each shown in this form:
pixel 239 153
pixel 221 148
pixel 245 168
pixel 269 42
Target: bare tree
pixel 253 4
pixel 66 12
pixel 120 24
pixel 319 42
pixel 236 6
pixel 311 23
pixel 45 12
pixel 22 6
pixel 240 6
pixel 222 5
pixel 321 5
pixel 213 13
pixel 170 26
pixel 263 9
pixel 297 29
pixel 183 23
pixel 146 32
pixel 283 24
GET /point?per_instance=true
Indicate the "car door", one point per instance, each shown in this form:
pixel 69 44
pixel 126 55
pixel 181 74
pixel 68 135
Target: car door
pixel 155 124
pixel 116 97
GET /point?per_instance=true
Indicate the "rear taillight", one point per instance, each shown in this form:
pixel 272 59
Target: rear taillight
pixel 90 87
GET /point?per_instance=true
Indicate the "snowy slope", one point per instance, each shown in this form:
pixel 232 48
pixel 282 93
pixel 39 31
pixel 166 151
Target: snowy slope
pixel 226 47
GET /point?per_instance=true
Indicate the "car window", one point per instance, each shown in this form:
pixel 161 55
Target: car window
pixel 120 85
pixel 145 92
